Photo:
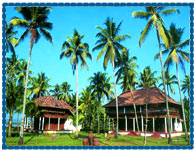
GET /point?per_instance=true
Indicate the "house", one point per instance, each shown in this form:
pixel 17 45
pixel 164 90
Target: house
pixel 53 115
pixel 156 106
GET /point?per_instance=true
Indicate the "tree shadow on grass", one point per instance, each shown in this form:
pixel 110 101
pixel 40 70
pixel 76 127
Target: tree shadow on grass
pixel 29 139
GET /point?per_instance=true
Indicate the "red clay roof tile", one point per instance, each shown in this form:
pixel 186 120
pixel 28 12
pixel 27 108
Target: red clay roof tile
pixel 154 95
pixel 49 101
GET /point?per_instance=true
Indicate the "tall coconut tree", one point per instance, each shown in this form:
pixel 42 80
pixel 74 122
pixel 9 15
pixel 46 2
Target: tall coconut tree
pixel 65 90
pixel 109 44
pixel 77 52
pixel 13 89
pixel 56 91
pixel 147 80
pixel 101 86
pixel 39 86
pixel 170 80
pixel 153 15
pixel 186 85
pixel 87 105
pixel 126 77
pixel 35 23
pixel 177 56
pixel 10 39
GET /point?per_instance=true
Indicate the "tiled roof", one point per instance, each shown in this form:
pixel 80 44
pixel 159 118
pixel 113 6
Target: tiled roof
pixel 154 95
pixel 49 101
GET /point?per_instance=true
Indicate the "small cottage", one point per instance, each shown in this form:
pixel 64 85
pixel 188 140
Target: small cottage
pixel 53 114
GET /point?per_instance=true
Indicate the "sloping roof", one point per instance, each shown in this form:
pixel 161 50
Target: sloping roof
pixel 154 95
pixel 49 101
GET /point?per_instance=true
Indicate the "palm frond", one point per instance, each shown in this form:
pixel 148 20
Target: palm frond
pixel 22 37
pixel 164 52
pixel 102 51
pixel 145 32
pixel 46 34
pixel 163 34
pixel 170 11
pixel 66 53
pixel 141 14
pixel 19 22
pixel 121 38
pixel 183 44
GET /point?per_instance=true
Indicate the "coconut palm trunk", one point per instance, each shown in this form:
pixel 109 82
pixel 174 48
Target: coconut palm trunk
pixel 182 104
pixel 18 122
pixel 163 75
pixel 25 90
pixel 77 100
pixel 10 124
pixel 146 126
pixel 31 123
pixel 134 106
pixel 98 118
pixel 115 89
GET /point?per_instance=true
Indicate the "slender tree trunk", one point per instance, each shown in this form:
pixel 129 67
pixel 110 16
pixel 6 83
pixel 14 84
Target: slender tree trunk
pixel 10 124
pixel 24 101
pixel 31 124
pixel 166 100
pixel 18 122
pixel 116 134
pixel 146 126
pixel 134 106
pixel 77 100
pixel 168 90
pixel 98 116
pixel 182 104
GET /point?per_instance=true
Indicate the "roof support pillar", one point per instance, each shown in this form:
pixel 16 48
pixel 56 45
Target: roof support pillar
pixel 49 124
pixel 113 123
pixel 125 122
pixel 109 124
pixel 58 124
pixel 133 124
pixel 39 123
pixel 175 125
pixel 153 124
pixel 27 122
pixel 43 123
pixel 171 124
pixel 165 125
pixel 142 123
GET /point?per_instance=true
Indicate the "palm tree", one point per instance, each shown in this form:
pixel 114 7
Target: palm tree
pixel 32 111
pixel 13 88
pixel 177 56
pixel 126 76
pixel 153 15
pixel 169 80
pixel 35 22
pixel 65 90
pixel 186 85
pixel 56 92
pixel 146 81
pixel 147 78
pixel 109 43
pixel 100 86
pixel 13 93
pixel 76 51
pixel 10 39
pixel 87 106
pixel 39 86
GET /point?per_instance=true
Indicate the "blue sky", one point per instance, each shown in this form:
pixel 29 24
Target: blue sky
pixel 45 56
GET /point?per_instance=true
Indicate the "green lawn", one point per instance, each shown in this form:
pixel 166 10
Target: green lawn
pixel 69 140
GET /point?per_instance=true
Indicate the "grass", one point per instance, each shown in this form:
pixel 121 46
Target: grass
pixel 69 140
